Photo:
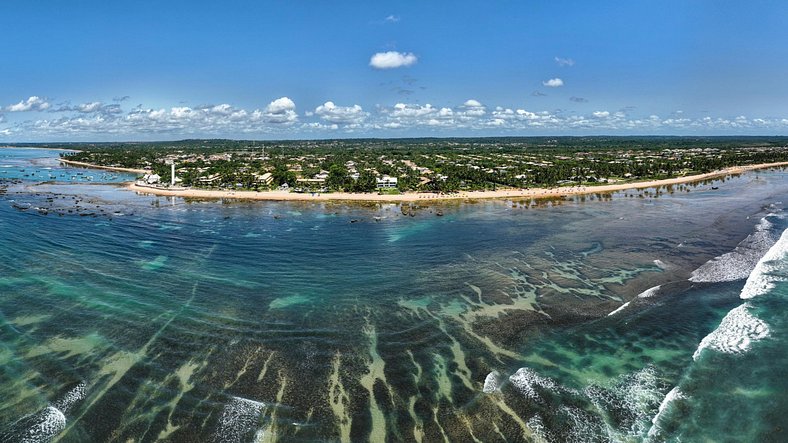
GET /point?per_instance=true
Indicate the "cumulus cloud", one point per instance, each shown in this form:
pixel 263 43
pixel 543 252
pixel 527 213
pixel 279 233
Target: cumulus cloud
pixel 281 110
pixel 95 120
pixel 89 107
pixel 344 115
pixel 391 19
pixel 34 103
pixel 392 59
pixel 564 61
pixel 553 83
pixel 472 108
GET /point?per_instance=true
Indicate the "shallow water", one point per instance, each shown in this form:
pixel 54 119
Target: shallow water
pixel 228 321
pixel 34 164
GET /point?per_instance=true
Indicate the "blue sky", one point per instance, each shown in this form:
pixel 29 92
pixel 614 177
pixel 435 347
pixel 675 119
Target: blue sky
pixel 150 70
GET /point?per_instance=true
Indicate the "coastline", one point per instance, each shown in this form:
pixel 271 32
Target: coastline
pixel 109 168
pixel 469 195
pixel 38 147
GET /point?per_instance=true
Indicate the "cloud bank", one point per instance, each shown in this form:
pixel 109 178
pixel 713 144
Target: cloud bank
pixel 95 120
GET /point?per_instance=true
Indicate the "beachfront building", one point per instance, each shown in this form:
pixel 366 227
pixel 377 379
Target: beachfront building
pixel 311 181
pixel 151 179
pixel 386 182
pixel 209 180
pixel 264 179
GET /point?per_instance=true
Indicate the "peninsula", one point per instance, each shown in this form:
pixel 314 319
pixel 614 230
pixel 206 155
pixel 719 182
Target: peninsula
pixel 419 169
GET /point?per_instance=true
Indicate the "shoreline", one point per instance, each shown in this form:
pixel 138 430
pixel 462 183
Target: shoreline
pixel 469 195
pixel 109 168
pixel 39 147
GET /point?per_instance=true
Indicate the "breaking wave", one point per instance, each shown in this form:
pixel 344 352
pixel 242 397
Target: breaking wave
pixel 739 329
pixel 735 334
pixel 672 396
pixel 620 410
pixel 46 424
pixel 763 277
pixel 739 263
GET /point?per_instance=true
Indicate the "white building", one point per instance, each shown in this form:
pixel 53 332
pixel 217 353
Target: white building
pixel 386 182
pixel 151 179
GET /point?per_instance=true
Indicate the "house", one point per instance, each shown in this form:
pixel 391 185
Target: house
pixel 386 182
pixel 264 179
pixel 209 179
pixel 151 179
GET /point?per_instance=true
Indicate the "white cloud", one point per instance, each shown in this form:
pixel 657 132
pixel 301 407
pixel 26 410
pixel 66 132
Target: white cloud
pixel 182 112
pixel 34 103
pixel 392 59
pixel 223 109
pixel 553 82
pixel 345 115
pixel 94 121
pixel 281 110
pixel 391 19
pixel 89 107
pixel 564 61
pixel 473 108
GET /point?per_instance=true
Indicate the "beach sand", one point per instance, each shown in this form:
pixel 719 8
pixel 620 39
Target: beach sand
pixel 109 168
pixel 422 196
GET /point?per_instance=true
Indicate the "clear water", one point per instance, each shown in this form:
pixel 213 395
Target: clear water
pixel 225 321
pixel 37 165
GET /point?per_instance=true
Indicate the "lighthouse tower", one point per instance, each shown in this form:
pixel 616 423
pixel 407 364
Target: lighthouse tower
pixel 172 174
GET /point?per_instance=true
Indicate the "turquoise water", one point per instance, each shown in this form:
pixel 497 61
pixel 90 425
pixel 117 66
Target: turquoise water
pixel 43 165
pixel 163 319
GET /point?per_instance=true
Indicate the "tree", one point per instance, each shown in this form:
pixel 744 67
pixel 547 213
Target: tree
pixel 281 175
pixel 337 177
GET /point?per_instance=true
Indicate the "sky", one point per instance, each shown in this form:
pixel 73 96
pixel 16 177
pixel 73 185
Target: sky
pixel 164 70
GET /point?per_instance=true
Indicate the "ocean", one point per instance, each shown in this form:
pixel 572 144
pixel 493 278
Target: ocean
pixel 653 315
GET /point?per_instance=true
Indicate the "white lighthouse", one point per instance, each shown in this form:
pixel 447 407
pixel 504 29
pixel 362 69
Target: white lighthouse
pixel 172 174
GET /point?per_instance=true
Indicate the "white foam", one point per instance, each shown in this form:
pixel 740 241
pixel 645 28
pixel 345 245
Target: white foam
pixel 739 263
pixel 527 380
pixel 649 292
pixel 238 418
pixel 763 277
pixel 74 395
pixel 46 425
pixel 536 425
pixel 735 333
pixel 582 425
pixel 631 398
pixel 492 382
pixel 661 264
pixel 673 395
pixel 619 309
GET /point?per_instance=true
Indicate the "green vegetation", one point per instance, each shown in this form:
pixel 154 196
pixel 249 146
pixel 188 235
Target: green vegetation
pixel 436 165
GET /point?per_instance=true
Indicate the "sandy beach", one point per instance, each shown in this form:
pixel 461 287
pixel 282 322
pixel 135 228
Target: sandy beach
pixel 423 196
pixel 109 168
